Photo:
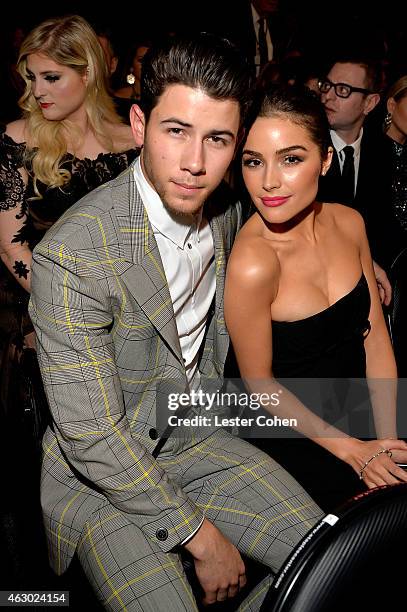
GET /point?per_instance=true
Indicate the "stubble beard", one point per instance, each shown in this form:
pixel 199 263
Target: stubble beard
pixel 184 216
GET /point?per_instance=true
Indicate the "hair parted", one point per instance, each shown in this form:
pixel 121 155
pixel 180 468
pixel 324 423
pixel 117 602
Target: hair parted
pixel 296 103
pixel 68 41
pixel 205 61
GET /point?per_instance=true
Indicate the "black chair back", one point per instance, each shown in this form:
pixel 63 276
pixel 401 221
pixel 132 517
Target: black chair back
pixel 349 560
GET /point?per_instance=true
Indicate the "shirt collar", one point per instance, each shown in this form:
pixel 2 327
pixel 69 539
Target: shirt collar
pixel 161 219
pixel 339 144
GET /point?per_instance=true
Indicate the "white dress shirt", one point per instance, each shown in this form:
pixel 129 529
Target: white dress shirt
pixel 188 257
pixel 340 144
pixel 187 254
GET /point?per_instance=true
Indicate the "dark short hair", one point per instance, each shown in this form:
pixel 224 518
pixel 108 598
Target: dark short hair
pixel 373 68
pixel 296 103
pixel 205 61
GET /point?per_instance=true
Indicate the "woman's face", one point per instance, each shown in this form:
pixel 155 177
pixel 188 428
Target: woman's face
pixel 398 127
pixel 59 90
pixel 281 167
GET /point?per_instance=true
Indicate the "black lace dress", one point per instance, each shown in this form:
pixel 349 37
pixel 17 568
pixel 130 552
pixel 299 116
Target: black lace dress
pixel 20 384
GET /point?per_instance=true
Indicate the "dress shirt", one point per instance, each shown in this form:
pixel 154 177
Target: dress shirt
pixel 340 144
pixel 256 23
pixel 187 254
pixel 188 258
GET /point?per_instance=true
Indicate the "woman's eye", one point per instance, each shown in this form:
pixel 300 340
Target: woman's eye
pixel 51 78
pixel 292 159
pixel 251 163
pixel 30 77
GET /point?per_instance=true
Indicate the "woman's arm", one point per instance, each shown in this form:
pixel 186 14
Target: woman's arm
pixel 381 367
pixel 13 181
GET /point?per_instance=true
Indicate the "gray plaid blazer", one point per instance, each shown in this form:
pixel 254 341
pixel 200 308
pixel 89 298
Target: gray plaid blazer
pixel 107 339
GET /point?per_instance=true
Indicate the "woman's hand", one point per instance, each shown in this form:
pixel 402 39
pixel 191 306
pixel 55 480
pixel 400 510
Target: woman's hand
pixel 381 469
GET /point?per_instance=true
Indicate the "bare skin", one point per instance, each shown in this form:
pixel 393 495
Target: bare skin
pixel 218 564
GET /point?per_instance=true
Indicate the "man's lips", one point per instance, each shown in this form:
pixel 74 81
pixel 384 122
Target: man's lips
pixel 187 186
pixel 274 201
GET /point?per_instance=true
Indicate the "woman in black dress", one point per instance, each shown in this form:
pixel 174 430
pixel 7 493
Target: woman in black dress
pixel 301 301
pixel 69 141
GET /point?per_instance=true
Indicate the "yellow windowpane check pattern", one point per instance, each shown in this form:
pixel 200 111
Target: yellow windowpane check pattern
pixel 107 340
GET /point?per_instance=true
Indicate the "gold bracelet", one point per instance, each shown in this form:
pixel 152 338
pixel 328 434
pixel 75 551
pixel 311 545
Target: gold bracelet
pixel 384 450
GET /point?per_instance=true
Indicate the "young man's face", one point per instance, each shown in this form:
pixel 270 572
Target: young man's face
pixel 188 144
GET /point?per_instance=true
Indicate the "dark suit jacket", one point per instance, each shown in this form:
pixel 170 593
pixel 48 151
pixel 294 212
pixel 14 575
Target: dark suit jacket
pixel 234 21
pixel 373 197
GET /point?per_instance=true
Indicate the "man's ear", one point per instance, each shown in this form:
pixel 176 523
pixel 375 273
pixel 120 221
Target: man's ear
pixel 372 100
pixel 137 122
pixel 326 164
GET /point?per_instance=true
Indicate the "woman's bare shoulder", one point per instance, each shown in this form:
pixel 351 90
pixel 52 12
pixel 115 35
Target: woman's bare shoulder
pixel 346 218
pixel 17 130
pixel 253 260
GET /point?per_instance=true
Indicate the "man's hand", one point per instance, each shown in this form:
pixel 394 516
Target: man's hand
pixel 218 564
pixel 383 284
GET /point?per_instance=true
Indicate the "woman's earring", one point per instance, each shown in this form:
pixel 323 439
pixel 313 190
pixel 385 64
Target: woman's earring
pixel 387 121
pixel 130 78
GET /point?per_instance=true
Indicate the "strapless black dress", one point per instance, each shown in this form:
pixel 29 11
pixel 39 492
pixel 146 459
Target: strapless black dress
pixel 327 345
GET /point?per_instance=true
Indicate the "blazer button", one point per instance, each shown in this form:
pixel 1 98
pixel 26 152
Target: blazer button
pixel 153 434
pixel 161 534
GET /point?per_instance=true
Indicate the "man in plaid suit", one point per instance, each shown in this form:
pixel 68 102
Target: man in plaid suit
pixel 128 298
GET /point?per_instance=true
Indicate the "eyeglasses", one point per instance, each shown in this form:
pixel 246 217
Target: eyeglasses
pixel 342 90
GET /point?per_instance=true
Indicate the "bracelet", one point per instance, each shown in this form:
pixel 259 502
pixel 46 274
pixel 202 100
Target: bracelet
pixel 384 450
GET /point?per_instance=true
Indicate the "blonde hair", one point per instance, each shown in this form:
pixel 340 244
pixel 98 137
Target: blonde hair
pixel 398 90
pixel 68 41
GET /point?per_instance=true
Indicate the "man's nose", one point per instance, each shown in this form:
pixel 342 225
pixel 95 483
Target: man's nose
pixel 329 95
pixel 193 157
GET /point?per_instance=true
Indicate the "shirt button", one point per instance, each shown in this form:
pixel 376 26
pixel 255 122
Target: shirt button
pixel 153 434
pixel 161 534
pixel 189 245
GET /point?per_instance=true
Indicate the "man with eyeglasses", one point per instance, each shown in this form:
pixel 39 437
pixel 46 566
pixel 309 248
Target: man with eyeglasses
pixel 349 93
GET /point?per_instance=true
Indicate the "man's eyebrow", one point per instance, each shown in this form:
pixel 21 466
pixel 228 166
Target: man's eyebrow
pixel 189 125
pixel 280 151
pixel 175 120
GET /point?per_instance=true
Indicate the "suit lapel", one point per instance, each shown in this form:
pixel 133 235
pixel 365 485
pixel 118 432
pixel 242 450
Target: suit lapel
pixel 145 277
pixel 220 270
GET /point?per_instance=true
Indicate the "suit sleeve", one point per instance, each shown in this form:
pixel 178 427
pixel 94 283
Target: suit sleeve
pixel 73 319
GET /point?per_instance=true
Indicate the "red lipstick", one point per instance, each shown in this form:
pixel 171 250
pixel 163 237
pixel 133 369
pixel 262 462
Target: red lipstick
pixel 274 201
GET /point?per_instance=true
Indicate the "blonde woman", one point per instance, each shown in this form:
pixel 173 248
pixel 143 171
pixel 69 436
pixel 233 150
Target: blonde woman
pixel 69 141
